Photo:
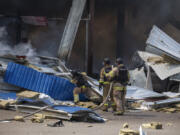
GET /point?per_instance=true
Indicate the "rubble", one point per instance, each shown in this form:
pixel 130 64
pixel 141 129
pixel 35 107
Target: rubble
pixel 162 69
pixel 32 101
pixel 160 43
pixel 56 124
pixel 5 103
pixel 28 94
pixel 19 118
pixel 49 110
pixel 125 125
pixel 38 118
pixel 162 55
pixel 159 103
pixel 128 131
pixel 50 71
pixel 153 125
pixel 166 109
pixel 87 104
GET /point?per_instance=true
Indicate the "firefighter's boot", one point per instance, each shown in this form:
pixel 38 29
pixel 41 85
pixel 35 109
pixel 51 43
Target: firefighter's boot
pixel 76 98
pixel 105 108
pixel 113 105
pixel 118 113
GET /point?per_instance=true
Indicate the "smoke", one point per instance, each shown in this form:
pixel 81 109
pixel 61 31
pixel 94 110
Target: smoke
pixel 21 49
pixel 140 17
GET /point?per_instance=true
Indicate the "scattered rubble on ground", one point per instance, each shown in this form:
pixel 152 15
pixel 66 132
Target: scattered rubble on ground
pixel 29 99
pixel 125 125
pixel 41 103
pixel 153 125
pixel 56 124
pixel 87 104
pixel 38 118
pixel 127 131
pixel 19 118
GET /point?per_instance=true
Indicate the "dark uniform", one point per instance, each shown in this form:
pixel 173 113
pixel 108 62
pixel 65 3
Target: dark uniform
pixel 82 86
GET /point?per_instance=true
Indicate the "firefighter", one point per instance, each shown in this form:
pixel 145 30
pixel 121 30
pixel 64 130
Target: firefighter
pixel 105 82
pixel 120 77
pixel 82 86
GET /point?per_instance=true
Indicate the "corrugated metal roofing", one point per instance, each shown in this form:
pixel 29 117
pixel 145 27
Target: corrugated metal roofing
pixel 68 109
pixel 8 95
pixel 160 43
pixel 28 78
pixel 163 70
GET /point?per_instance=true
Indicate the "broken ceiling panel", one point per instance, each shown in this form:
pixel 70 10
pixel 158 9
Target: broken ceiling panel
pixel 159 42
pixel 138 93
pixel 162 68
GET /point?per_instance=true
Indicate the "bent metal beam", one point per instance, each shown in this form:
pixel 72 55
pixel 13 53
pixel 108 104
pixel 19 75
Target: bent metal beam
pixel 71 28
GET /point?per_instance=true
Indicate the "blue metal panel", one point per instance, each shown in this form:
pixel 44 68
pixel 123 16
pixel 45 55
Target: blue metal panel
pixel 28 78
pixel 7 95
pixel 71 109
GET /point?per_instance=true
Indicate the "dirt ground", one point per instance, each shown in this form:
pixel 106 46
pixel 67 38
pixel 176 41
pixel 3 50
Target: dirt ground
pixel 111 127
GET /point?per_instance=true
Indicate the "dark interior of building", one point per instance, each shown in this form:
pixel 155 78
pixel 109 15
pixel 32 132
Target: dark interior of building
pixel 118 28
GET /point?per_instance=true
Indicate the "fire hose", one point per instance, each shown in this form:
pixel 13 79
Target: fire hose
pixel 106 99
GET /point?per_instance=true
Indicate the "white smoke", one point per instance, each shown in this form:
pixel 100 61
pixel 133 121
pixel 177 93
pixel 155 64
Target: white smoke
pixel 21 49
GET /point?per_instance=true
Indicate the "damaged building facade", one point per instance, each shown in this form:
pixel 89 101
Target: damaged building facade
pixel 108 28
pixel 48 46
pixel 118 28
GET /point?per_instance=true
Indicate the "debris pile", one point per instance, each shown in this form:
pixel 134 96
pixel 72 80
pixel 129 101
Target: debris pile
pixel 40 108
pixel 42 90
pixel 127 131
pixel 160 61
pixel 153 125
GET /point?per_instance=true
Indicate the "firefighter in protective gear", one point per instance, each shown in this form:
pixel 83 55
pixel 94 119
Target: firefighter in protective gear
pixel 104 81
pixel 82 86
pixel 120 77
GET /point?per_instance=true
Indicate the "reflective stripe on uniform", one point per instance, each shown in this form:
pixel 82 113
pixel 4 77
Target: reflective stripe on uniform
pixel 111 74
pixel 119 88
pixel 100 81
pixel 83 86
pixel 105 104
pixel 113 104
pixel 76 98
pixel 106 83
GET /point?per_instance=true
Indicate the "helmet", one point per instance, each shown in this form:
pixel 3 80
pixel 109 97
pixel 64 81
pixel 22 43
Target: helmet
pixel 106 61
pixel 119 61
pixel 74 73
pixel 83 73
